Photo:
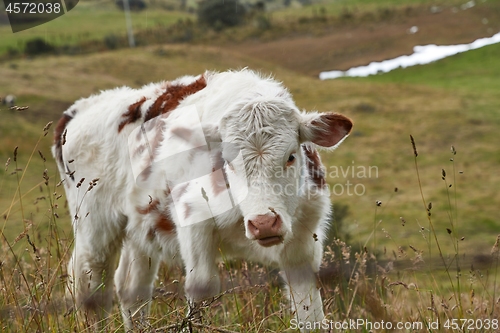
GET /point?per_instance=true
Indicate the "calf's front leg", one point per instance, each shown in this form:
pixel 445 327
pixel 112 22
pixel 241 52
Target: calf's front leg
pixel 304 292
pixel 134 281
pixel 198 250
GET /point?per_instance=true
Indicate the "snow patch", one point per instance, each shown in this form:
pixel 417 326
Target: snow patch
pixel 422 54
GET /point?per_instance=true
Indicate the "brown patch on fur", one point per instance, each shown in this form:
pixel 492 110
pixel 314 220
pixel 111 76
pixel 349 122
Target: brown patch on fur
pixel 217 179
pixel 160 128
pixel 167 101
pixel 183 133
pixel 150 146
pixel 163 222
pixel 134 113
pixel 139 150
pixel 146 172
pixel 314 167
pixel 181 189
pixel 58 135
pixel 187 211
pixel 172 97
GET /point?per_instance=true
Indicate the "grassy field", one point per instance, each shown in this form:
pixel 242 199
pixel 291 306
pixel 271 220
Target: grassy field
pixel 353 6
pixel 402 265
pixel 88 21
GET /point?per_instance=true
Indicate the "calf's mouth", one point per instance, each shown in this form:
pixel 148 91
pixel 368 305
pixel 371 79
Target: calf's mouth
pixel 270 241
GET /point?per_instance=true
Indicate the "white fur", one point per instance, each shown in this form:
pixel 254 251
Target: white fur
pixel 254 114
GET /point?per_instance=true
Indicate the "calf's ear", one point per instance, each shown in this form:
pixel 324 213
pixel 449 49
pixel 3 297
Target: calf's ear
pixel 324 129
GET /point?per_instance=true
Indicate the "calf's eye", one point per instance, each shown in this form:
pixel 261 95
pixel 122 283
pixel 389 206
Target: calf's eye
pixel 290 160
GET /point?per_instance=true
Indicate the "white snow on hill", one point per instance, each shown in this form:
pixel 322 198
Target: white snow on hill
pixel 422 54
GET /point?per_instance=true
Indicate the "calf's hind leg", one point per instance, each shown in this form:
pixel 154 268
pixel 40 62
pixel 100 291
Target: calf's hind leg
pixel 91 270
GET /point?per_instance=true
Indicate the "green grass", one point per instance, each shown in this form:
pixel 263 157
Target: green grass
pixel 450 102
pixel 337 7
pixel 21 178
pixel 473 72
pixel 88 21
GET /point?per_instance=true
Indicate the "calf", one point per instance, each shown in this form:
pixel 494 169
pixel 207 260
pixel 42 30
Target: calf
pixel 200 168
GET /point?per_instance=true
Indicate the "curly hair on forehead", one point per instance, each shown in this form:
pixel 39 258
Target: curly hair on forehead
pixel 261 115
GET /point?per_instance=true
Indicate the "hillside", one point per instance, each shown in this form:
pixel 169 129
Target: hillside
pixel 364 34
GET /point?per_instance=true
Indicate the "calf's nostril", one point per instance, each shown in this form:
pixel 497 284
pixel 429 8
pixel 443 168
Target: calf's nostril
pixel 253 228
pixel 276 224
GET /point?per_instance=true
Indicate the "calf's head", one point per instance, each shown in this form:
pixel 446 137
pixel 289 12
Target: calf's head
pixel 265 165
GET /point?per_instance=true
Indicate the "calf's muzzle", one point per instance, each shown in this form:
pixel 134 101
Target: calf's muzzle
pixel 266 229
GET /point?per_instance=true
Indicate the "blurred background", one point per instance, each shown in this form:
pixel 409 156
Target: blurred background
pixel 438 212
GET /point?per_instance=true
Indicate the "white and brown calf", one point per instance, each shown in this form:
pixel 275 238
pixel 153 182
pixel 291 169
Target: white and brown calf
pixel 222 164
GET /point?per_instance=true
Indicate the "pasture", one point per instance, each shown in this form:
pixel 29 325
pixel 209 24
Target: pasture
pixel 426 252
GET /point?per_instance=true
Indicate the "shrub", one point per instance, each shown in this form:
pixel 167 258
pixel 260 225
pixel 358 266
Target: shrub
pixel 12 51
pixel 111 41
pixel 263 22
pixel 38 46
pixel 219 14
